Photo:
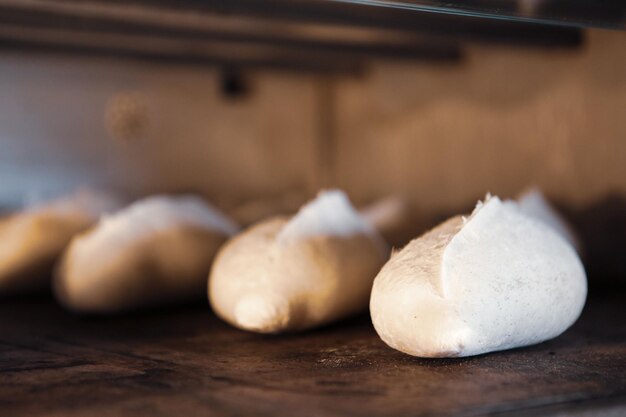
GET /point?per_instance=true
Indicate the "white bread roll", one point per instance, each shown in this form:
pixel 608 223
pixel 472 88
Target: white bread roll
pixel 533 203
pixel 156 251
pixel 31 241
pixel 287 275
pixel 495 281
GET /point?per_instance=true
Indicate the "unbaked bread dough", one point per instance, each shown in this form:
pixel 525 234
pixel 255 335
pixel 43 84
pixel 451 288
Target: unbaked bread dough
pixel 497 280
pixel 32 240
pixel 158 250
pixel 533 203
pixel 291 274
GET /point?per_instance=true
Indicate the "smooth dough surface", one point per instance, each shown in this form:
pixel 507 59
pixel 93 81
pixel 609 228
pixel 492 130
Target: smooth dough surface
pixel 535 204
pixel 156 251
pixel 292 274
pixel 495 281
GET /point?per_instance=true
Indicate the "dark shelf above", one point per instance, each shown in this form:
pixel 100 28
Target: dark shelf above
pixel 609 14
pixel 316 35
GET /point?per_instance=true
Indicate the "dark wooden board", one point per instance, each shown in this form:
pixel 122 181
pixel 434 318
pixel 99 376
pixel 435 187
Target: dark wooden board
pixel 185 362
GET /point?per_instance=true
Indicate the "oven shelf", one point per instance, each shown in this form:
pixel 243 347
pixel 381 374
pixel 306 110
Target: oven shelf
pixel 608 14
pixel 187 362
pixel 315 35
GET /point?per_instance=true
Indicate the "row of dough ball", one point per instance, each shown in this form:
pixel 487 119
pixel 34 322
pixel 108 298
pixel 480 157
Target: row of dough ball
pixel 107 259
pixel 103 251
pixel 507 276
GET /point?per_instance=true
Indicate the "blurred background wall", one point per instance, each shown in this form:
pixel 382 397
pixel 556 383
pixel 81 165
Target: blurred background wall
pixel 499 122
pixel 440 134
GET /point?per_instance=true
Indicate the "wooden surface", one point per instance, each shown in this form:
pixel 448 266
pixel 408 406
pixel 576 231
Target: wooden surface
pixel 186 362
